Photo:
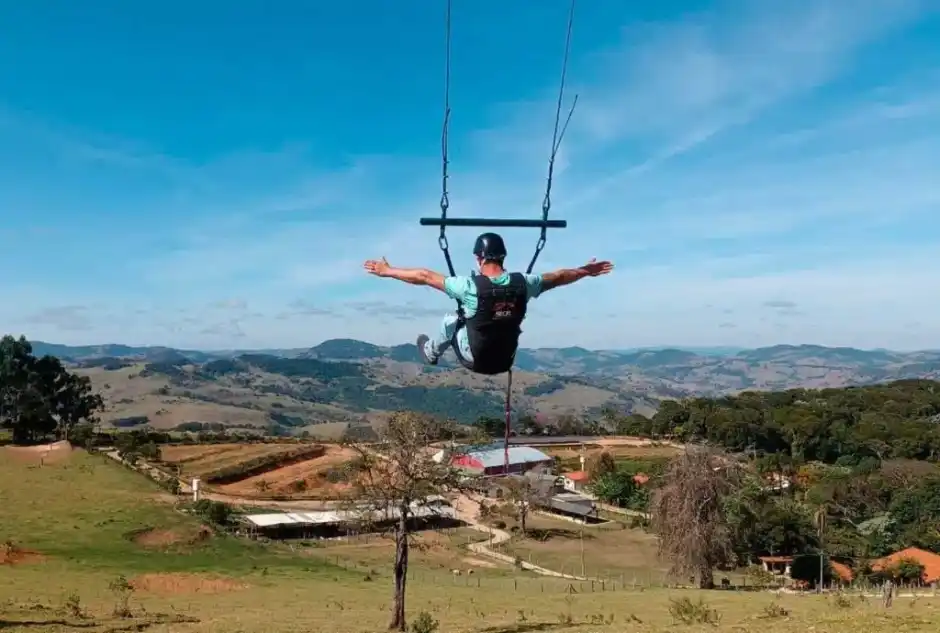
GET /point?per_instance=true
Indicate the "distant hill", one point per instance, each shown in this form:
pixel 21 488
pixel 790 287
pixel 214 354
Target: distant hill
pixel 346 380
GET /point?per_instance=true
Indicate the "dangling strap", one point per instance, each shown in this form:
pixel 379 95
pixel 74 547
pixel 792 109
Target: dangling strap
pixel 508 422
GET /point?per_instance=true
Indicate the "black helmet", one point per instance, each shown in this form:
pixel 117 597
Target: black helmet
pixel 490 247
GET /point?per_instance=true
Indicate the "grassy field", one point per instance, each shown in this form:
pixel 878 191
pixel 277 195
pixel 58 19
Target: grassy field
pixel 610 551
pixel 617 452
pixel 127 393
pixel 97 548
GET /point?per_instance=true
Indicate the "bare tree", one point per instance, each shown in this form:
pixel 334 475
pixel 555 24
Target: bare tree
pixel 525 493
pixel 394 478
pixel 601 464
pixel 688 513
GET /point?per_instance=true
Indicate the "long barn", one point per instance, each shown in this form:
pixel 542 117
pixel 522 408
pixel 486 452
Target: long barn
pixel 490 460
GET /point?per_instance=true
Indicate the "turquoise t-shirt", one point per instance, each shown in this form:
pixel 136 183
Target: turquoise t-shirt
pixel 464 290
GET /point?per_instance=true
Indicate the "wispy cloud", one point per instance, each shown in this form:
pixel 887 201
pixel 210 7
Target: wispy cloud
pixel 68 318
pixel 777 304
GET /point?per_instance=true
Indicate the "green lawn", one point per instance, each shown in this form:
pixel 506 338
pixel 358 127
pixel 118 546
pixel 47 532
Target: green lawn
pixel 85 511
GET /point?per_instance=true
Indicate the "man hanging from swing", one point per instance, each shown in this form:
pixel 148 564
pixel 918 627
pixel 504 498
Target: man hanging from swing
pixel 492 304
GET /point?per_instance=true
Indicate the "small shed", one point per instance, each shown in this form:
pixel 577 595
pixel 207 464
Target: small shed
pixel 929 560
pixel 575 481
pixel 575 506
pixel 777 565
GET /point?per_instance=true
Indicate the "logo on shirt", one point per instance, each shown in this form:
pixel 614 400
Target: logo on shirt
pixel 503 309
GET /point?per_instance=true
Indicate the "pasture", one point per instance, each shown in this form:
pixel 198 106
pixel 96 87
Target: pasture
pixel 93 546
pixel 619 451
pixel 611 551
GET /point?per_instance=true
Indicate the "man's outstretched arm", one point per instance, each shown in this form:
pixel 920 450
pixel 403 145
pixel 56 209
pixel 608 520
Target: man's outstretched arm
pixel 566 276
pixel 415 276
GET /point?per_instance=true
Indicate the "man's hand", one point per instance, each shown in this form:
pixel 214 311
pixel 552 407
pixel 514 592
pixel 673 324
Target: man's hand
pixel 377 267
pixel 414 276
pixel 595 268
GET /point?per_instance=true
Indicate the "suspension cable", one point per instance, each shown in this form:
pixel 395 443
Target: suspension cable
pixel 556 139
pixel 508 422
pixel 445 200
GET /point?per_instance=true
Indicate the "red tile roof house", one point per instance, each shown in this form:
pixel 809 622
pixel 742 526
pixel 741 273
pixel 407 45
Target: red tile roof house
pixel 842 571
pixel 576 481
pixel 929 560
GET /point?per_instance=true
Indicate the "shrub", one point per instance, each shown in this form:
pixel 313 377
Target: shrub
pixel 213 511
pixel 687 612
pixel 841 600
pixel 774 611
pixel 424 623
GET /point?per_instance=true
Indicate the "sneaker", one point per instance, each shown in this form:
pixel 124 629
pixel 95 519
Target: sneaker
pixel 423 350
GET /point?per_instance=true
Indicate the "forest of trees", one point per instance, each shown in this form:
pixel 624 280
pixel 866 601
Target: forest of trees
pixel 850 472
pixel 843 426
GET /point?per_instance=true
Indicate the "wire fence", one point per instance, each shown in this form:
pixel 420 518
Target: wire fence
pixel 528 583
pixel 474 569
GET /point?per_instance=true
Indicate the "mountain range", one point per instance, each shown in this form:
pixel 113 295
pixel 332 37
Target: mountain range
pixel 347 380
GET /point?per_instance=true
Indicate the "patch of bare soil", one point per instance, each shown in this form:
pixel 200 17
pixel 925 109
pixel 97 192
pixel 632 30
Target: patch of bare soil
pixel 175 584
pixel 181 454
pixel 43 453
pixel 165 538
pixel 12 555
pixel 309 479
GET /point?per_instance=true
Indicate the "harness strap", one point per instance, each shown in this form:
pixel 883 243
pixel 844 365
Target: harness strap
pixel 455 343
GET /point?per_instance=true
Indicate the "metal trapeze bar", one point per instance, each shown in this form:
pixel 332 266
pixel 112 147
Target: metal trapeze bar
pixel 483 222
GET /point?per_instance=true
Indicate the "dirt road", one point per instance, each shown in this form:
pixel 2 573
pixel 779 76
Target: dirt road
pixel 467 509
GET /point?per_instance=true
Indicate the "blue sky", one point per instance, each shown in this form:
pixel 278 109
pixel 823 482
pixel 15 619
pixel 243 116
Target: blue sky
pixel 213 174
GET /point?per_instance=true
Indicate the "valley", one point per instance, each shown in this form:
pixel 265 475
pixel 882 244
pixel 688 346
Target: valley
pixel 323 391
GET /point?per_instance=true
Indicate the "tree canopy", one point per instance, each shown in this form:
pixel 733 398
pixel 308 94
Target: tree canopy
pixel 899 419
pixel 852 473
pixel 39 396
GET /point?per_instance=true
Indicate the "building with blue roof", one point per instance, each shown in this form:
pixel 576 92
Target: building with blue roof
pixel 490 460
